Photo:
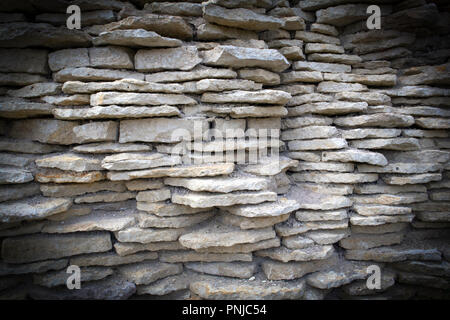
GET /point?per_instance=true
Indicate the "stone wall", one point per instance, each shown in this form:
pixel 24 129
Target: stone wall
pixel 99 168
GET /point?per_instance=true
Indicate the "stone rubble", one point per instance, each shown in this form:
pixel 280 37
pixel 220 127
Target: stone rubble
pixel 101 165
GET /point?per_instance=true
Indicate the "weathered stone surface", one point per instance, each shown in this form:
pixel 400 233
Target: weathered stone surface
pixel 217 235
pixel 336 177
pixel 223 185
pixel 134 38
pixel 400 167
pixel 10 175
pixel 57 176
pixel 111 259
pixel 316 37
pixel 135 234
pixel 301 76
pixel 33 208
pixel 379 209
pixel 260 76
pixel 329 108
pixel 317 144
pixel 321 66
pixel 353 155
pixel 238 96
pixel 70 161
pixel 379 219
pixel 310 132
pixel 198 73
pixel 387 120
pixel 251 223
pixel 115 112
pixel 319 215
pixel 192 256
pixel 275 270
pixel 159 130
pixel 9 192
pixel 20 79
pixel 57 278
pixel 148 272
pixel 124 249
pixel 335 87
pixel 390 199
pixel 370 133
pixel 426 75
pixel 240 18
pixel 394 254
pixel 23 60
pixel 209 31
pixel 217 288
pixel 401 144
pixel 131 85
pixel 285 255
pixel 183 171
pixel 370 80
pixel 344 14
pixel 129 98
pixel 412 179
pixel 325 237
pixel 34 267
pixel 236 57
pixel 92 222
pixel 166 285
pixel 111 57
pixel 111 288
pixel 227 269
pixel 368 241
pixel 36 90
pixel 24 34
pixel 270 166
pixel 181 221
pixel 154 195
pixel 267 209
pixel 42 247
pixel 183 58
pixel 135 161
pixel 91 74
pixel 17 108
pixel 224 85
pixel 168 26
pixel 163 209
pixel 205 200
pixel 68 58
pixel 343 273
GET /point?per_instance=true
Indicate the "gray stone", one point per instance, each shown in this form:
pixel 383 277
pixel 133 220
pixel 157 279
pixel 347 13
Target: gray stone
pixel 227 269
pixel 240 18
pixel 148 272
pixel 42 247
pixel 33 208
pixel 217 288
pixel 134 161
pixel 23 60
pixel 68 58
pixel 183 58
pixel 266 96
pixel 353 155
pixel 232 56
pixel 134 38
pixel 217 235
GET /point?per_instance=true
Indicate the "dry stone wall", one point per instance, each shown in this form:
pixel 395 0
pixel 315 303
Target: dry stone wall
pixel 112 158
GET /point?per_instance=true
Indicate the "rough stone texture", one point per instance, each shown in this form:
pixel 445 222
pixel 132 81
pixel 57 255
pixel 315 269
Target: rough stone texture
pixel 232 56
pixel 111 155
pixel 183 58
